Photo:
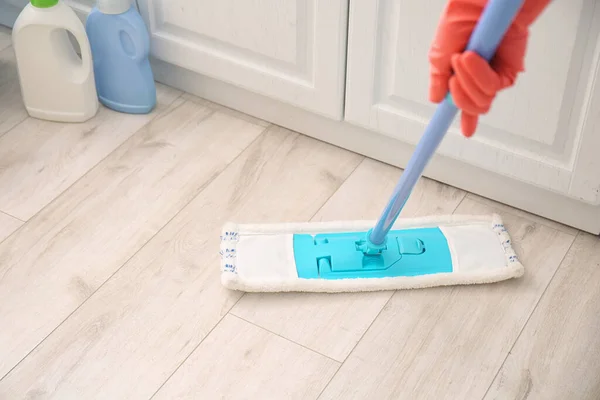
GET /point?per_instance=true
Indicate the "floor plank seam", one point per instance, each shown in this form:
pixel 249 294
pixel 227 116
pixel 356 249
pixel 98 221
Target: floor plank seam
pixel 102 160
pixel 338 188
pixel 195 348
pixel 12 216
pixel 465 194
pixel 15 125
pixel 131 257
pixel 6 238
pixel 529 316
pixel 16 230
pixel 357 343
pixel 283 337
pixel 10 48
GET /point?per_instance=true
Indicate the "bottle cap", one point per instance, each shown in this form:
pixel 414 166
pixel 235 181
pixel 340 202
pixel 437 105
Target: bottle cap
pixel 44 3
pixel 113 6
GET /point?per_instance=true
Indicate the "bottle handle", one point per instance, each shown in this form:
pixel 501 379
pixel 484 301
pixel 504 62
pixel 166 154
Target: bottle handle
pixel 84 47
pixel 141 43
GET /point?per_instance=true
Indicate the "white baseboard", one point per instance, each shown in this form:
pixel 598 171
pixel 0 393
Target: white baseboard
pixel 383 148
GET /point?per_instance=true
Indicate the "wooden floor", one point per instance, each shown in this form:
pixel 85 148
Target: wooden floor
pixel 109 272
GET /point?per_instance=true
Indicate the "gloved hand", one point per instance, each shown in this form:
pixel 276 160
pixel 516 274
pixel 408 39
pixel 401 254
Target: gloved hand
pixel 473 82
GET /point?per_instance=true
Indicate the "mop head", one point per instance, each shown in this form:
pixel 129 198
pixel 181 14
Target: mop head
pixel 326 256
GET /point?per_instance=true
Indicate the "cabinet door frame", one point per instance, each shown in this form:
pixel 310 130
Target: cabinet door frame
pixel 577 177
pixel 584 184
pixel 315 83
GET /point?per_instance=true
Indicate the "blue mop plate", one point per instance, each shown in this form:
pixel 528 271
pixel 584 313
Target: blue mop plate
pixel 408 252
pixel 329 257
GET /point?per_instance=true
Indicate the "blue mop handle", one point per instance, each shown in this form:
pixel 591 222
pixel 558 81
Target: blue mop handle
pixel 486 37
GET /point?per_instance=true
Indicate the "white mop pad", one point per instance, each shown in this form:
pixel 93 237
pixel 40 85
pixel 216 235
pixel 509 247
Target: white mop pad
pixel 260 257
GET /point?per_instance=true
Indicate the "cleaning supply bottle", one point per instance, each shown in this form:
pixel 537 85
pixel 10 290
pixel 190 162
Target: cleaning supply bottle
pixel 56 84
pixel 120 47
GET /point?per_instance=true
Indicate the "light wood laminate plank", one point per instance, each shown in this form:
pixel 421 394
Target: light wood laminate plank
pixel 448 342
pixel 8 225
pixel 333 324
pixel 12 110
pixel 40 159
pixel 521 213
pixel 558 354
pixel 239 360
pixel 226 110
pixel 130 336
pixel 63 254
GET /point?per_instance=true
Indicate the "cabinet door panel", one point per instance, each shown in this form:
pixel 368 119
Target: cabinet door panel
pixel 290 50
pixel 535 132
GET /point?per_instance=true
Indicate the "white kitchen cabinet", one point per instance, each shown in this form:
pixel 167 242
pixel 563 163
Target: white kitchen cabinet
pixel 354 73
pixel 544 132
pixel 290 50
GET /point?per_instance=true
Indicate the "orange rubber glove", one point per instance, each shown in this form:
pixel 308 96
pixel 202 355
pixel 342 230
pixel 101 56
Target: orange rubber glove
pixel 473 82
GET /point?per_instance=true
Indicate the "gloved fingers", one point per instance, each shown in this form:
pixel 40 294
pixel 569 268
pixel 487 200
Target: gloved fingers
pixel 529 12
pixel 468 123
pixel 472 83
pixel 478 99
pixel 438 87
pixel 480 71
pixel 509 59
pixel 463 100
pixel 440 71
pixel 449 39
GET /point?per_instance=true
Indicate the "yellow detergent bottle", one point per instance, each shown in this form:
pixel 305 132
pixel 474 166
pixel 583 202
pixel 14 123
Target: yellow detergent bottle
pixel 56 84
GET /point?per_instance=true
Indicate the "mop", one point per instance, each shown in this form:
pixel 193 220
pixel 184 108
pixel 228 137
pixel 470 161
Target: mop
pixel 387 254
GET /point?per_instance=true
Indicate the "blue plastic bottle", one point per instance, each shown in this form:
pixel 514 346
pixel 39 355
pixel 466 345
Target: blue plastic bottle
pixel 120 46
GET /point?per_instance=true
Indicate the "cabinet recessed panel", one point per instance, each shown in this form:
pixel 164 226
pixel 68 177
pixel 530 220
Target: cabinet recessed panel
pixel 242 27
pixel 291 50
pixel 535 130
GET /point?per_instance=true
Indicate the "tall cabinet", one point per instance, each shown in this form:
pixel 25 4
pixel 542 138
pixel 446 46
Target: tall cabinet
pixel 355 73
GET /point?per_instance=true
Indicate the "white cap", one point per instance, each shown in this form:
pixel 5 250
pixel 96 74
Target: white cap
pixel 113 6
